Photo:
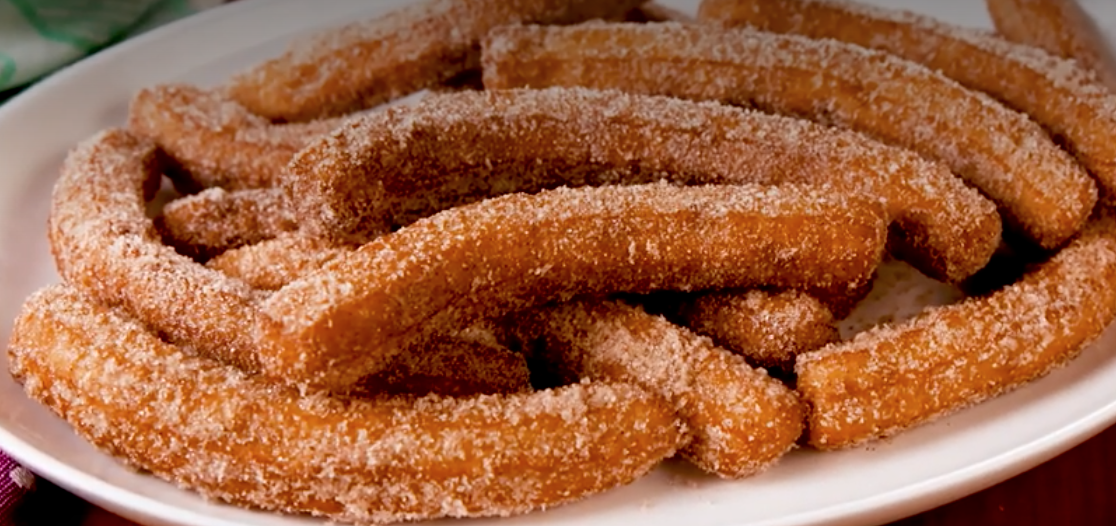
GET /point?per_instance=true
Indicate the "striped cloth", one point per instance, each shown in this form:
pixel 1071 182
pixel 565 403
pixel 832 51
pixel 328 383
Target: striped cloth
pixel 15 484
pixel 38 37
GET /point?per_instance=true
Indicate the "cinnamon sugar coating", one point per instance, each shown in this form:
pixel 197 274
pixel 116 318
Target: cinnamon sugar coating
pixel 105 246
pixel 501 255
pixel 741 420
pixel 1067 99
pixel 216 141
pixel 214 430
pixel 768 329
pixel 208 223
pixel 1061 27
pixel 1041 190
pixel 364 64
pixel 272 263
pixel 388 169
pixel 900 375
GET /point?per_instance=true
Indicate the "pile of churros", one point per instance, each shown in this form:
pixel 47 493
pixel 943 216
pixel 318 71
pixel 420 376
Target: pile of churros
pixel 603 235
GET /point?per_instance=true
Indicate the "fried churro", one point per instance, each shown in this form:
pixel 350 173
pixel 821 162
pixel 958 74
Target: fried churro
pixel 219 432
pixel 388 169
pixel 105 246
pixel 896 376
pixel 1060 95
pixel 741 420
pixel 208 223
pixel 361 65
pixel 216 142
pixel 1061 27
pixel 768 329
pixel 1041 191
pixel 494 257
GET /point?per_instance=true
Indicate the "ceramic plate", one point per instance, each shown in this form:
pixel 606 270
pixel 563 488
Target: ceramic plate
pixel 916 471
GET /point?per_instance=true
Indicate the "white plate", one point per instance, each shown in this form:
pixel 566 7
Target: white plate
pixel 916 471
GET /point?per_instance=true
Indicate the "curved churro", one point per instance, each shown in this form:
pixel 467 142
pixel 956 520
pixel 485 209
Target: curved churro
pixel 486 259
pixel 361 65
pixel 392 167
pixel 741 420
pixel 768 329
pixel 1041 191
pixel 212 429
pixel 104 245
pixel 205 224
pixel 215 141
pixel 1060 27
pixel 896 376
pixel 1057 93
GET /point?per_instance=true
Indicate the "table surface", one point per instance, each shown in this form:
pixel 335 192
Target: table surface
pixel 1075 488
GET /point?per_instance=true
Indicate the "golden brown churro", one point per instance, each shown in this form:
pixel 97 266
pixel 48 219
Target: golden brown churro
pixel 210 222
pixel 390 168
pixel 741 420
pixel 217 431
pixel 1059 94
pixel 487 259
pixel 362 65
pixel 105 246
pixel 896 376
pixel 215 141
pixel 767 329
pixel 1041 191
pixel 422 311
pixel 1061 27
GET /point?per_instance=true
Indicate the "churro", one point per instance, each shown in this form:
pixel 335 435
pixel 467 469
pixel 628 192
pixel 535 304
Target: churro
pixel 215 430
pixel 1041 190
pixel 501 255
pixel 105 246
pixel 361 65
pixel 1060 95
pixel 1061 27
pixel 214 141
pixel 896 376
pixel 768 329
pixel 388 169
pixel 741 419
pixel 208 223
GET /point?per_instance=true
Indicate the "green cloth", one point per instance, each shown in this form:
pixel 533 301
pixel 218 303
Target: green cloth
pixel 40 36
